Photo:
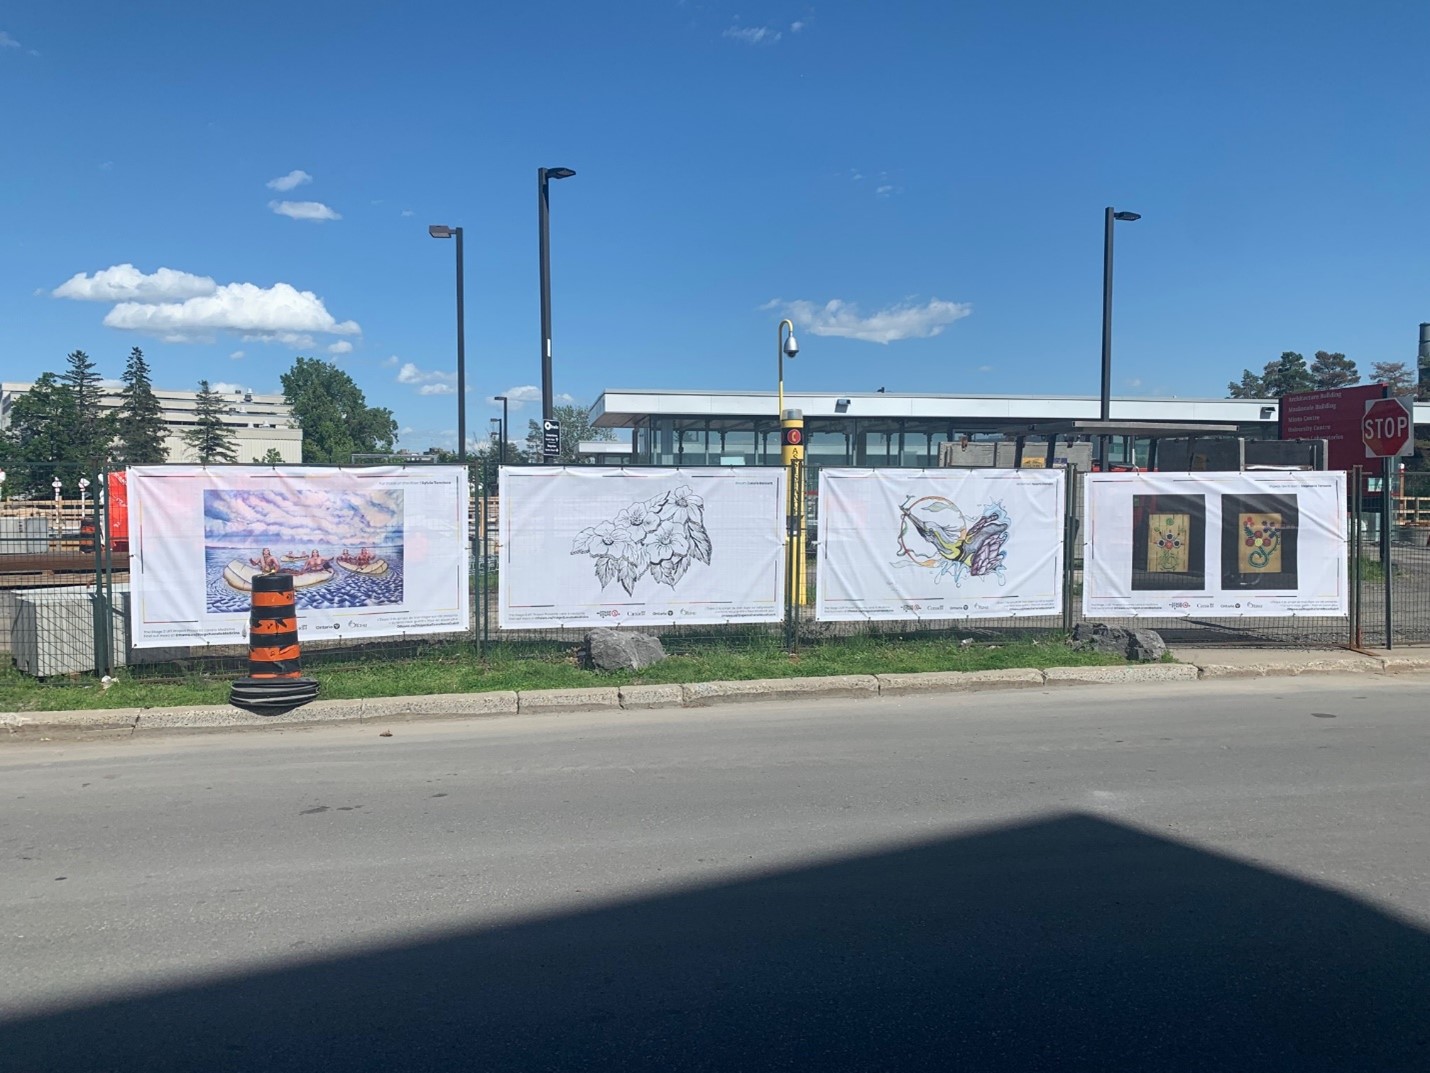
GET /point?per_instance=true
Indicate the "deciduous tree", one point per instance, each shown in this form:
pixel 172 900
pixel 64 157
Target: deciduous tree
pixel 334 415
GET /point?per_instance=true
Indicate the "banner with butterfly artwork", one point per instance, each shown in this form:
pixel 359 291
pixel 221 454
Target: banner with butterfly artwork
pixel 929 544
pixel 598 546
pixel 1218 545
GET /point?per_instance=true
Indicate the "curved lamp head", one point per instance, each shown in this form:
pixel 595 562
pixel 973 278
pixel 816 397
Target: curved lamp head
pixel 439 231
pixel 1127 217
pixel 559 173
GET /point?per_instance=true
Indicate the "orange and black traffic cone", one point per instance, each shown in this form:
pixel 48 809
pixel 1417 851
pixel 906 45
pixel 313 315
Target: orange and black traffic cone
pixel 275 681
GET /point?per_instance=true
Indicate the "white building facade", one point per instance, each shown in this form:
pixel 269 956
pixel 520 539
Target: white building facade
pixel 259 423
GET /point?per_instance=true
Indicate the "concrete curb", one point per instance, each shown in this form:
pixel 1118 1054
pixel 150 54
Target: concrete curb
pixel 893 685
pixel 705 694
pixel 126 721
pixel 1149 672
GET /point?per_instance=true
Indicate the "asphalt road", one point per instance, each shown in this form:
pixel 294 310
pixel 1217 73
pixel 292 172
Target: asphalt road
pixel 1206 876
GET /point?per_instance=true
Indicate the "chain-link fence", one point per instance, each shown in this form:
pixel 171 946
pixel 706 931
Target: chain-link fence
pixel 64 594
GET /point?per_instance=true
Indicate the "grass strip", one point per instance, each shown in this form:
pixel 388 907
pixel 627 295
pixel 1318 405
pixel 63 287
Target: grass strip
pixel 456 669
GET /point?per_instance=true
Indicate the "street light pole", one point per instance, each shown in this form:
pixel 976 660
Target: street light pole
pixel 1110 216
pixel 443 231
pixel 543 228
pixel 502 399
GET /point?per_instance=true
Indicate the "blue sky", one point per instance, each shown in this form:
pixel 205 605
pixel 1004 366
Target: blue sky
pixel 938 170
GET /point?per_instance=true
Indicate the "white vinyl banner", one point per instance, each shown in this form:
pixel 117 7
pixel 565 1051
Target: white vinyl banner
pixel 590 545
pixel 372 552
pixel 939 543
pixel 1215 545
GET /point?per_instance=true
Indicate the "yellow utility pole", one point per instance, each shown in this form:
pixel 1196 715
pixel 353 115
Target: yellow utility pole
pixel 792 458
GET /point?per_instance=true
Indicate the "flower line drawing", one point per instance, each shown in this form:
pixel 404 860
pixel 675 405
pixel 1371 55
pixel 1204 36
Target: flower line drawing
pixel 658 537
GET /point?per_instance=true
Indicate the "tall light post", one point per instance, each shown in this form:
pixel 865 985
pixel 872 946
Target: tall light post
pixel 504 441
pixel 443 231
pixel 1109 218
pixel 786 346
pixel 543 227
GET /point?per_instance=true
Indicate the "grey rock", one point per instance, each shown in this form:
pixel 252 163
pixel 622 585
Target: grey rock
pixel 620 650
pixel 1142 646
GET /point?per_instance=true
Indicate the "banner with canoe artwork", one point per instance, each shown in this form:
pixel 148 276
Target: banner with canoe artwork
pixel 372 552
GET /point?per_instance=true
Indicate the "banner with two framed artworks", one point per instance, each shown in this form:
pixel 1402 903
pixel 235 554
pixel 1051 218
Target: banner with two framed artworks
pixel 1222 545
pixel 939 544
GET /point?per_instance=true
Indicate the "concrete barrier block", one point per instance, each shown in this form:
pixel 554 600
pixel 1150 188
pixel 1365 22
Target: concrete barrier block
pixel 555 701
pixel 1141 672
pixel 661 696
pixel 958 681
pixel 705 694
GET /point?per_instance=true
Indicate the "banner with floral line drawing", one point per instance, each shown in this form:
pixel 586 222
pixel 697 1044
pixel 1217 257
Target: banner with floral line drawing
pixel 897 544
pixel 373 552
pixel 1260 544
pixel 599 546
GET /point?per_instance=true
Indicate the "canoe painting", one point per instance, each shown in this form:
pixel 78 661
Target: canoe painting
pixel 343 549
pixel 240 575
pixel 376 568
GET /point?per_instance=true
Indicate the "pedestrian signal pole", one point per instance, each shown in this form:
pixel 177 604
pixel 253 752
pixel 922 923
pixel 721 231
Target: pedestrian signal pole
pixel 792 458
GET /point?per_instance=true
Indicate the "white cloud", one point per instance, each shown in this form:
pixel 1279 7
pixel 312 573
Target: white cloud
pixel 796 27
pixel 985 368
pixel 284 183
pixel 125 283
pixel 108 165
pixel 903 321
pixel 280 313
pixel 223 387
pixel 391 359
pixel 885 190
pixel 431 381
pixel 753 35
pixel 300 340
pixel 408 212
pixel 519 396
pixel 6 41
pixel 315 211
pixel 237 355
pixel 342 346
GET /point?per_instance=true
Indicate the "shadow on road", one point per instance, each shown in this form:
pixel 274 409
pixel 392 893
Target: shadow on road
pixel 1071 942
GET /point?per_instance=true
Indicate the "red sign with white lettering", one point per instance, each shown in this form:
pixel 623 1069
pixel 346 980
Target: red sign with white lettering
pixel 1334 415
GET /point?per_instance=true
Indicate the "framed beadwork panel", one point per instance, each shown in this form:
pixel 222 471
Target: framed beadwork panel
pixel 1169 543
pixel 1259 542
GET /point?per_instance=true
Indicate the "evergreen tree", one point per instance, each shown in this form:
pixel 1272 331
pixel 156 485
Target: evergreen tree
pixel 271 457
pixel 210 440
pixel 334 415
pixel 1290 375
pixel 1333 370
pixel 141 426
pixel 1250 387
pixel 90 430
pixel 1395 375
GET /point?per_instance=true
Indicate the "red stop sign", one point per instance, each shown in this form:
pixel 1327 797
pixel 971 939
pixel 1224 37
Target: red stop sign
pixel 1388 428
